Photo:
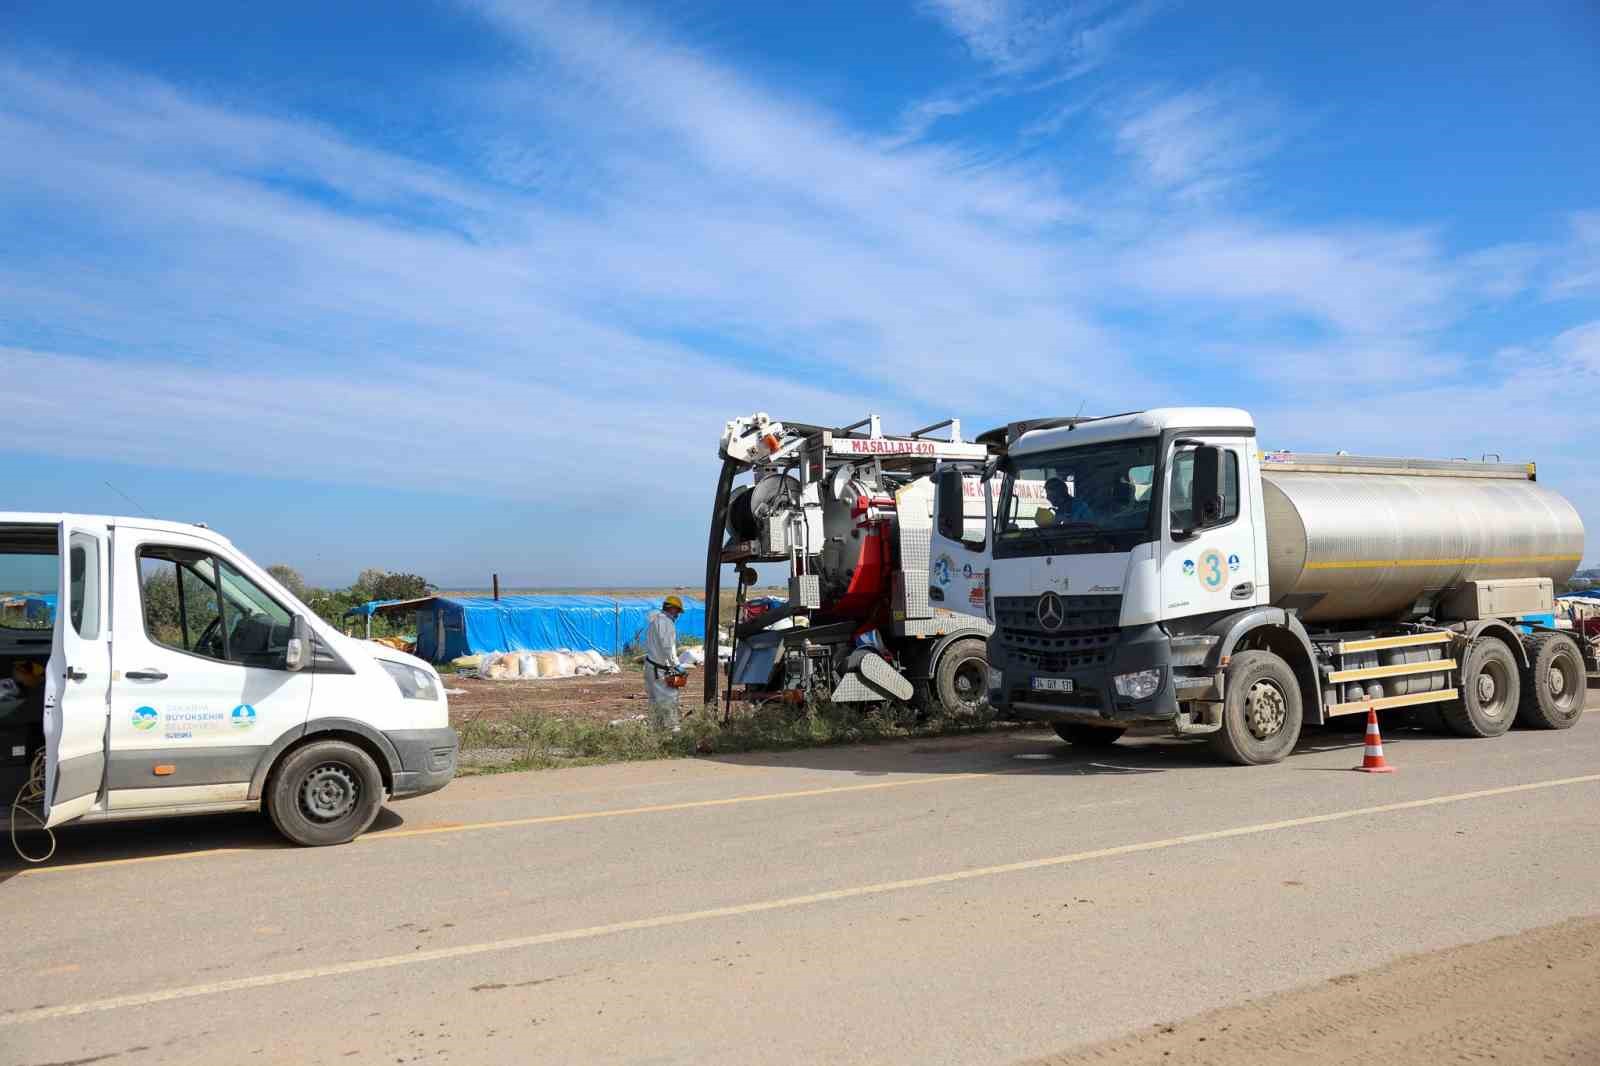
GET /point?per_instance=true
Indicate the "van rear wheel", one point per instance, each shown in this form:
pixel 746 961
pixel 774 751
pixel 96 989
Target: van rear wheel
pixel 326 792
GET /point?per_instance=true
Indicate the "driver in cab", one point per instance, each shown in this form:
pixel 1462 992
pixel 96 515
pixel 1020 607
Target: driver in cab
pixel 1065 506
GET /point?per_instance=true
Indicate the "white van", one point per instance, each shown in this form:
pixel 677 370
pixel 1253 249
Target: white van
pixel 164 673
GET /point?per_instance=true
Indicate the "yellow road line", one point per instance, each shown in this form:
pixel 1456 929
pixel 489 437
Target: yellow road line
pixel 340 969
pixel 545 819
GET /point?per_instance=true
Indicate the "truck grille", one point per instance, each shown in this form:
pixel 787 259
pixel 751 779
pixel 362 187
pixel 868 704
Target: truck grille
pixel 1084 638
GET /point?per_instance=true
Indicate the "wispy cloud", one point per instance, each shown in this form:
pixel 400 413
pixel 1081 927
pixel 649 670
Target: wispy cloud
pixel 1198 143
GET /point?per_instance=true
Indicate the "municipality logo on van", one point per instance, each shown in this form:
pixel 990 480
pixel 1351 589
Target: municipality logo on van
pixel 244 716
pixel 144 718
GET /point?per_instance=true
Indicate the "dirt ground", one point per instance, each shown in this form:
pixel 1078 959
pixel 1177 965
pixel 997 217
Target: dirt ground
pixel 599 699
pixel 1531 998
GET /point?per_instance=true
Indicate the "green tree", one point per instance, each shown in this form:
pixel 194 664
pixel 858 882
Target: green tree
pixel 401 587
pixel 289 578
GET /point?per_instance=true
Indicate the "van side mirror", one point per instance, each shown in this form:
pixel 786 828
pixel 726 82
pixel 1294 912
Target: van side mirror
pixel 1208 488
pixel 298 652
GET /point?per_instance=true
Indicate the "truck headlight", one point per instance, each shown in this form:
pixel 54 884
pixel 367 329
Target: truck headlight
pixel 1139 685
pixel 414 684
pixel 997 679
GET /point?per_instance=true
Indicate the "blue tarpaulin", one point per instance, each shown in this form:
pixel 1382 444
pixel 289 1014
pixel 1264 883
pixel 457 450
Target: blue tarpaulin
pixel 452 626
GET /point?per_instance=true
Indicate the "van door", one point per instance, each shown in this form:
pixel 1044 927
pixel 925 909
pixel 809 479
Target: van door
pixel 203 687
pixel 78 681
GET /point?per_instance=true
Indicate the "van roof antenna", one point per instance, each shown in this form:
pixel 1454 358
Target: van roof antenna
pixel 130 499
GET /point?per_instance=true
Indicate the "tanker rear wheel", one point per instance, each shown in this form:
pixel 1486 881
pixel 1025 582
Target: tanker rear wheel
pixel 1491 690
pixel 1554 687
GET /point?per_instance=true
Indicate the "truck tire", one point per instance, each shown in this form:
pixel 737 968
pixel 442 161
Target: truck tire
pixel 1088 736
pixel 1262 712
pixel 325 792
pixel 1490 691
pixel 961 677
pixel 1554 686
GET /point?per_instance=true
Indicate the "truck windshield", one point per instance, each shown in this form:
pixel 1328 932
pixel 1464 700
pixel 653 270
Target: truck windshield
pixel 1076 501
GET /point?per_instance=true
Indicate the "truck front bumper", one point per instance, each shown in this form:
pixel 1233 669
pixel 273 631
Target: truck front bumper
pixel 427 760
pixel 1093 699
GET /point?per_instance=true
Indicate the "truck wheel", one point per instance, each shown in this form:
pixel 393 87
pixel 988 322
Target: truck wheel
pixel 961 679
pixel 1088 736
pixel 326 792
pixel 1490 691
pixel 1262 714
pixel 1554 687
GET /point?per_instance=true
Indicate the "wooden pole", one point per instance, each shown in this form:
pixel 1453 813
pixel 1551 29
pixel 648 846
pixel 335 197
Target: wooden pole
pixel 497 586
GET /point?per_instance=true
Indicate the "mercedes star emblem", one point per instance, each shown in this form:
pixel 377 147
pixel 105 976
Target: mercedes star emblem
pixel 1051 611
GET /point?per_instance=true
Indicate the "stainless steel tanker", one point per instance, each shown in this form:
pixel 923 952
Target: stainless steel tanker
pixel 1362 538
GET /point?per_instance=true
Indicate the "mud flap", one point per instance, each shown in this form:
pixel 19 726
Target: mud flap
pixel 868 677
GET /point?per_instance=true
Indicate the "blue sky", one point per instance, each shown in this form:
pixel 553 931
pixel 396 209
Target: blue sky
pixel 471 287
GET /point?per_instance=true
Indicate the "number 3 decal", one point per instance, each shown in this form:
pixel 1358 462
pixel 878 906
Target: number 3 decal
pixel 1213 571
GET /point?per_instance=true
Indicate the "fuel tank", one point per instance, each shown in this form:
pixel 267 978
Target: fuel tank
pixel 1361 539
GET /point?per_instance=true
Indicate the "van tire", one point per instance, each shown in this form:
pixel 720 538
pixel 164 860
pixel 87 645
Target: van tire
pixel 1262 711
pixel 325 792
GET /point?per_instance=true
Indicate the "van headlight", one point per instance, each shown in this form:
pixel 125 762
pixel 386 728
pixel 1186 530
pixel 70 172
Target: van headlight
pixel 1139 685
pixel 414 684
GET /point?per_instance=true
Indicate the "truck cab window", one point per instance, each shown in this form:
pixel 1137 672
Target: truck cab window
pixel 258 627
pixel 1182 506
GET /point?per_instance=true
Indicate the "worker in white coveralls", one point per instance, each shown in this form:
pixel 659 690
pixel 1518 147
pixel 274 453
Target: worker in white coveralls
pixel 661 663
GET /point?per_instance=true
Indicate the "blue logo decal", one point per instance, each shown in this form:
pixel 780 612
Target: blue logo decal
pixel 941 570
pixel 1233 562
pixel 244 716
pixel 1188 568
pixel 144 718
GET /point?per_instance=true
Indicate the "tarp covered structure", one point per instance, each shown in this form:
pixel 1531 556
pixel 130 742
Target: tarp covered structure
pixel 452 626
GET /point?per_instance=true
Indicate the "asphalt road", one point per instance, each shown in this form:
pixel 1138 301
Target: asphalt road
pixel 980 899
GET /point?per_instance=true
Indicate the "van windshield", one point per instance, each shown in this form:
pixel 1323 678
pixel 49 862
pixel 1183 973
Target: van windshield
pixel 28 585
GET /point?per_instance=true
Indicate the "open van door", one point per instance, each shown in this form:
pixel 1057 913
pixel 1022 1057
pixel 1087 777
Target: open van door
pixel 958 556
pixel 78 683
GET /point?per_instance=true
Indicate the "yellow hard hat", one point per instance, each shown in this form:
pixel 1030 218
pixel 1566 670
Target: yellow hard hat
pixel 672 601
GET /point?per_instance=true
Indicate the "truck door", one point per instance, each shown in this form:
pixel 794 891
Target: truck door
pixel 958 555
pixel 1210 563
pixel 203 686
pixel 79 676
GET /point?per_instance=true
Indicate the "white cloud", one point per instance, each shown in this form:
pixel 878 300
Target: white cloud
pixel 1024 37
pixel 1198 143
pixel 1579 270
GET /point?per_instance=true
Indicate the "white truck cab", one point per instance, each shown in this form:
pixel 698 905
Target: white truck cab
pixel 164 673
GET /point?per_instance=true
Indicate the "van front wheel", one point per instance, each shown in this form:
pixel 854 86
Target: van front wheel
pixel 326 792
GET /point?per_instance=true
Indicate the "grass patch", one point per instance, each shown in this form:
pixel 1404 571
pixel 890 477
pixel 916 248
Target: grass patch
pixel 537 741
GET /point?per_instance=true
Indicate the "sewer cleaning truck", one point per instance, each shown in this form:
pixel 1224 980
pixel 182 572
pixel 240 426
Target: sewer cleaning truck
pixel 1155 569
pixel 847 513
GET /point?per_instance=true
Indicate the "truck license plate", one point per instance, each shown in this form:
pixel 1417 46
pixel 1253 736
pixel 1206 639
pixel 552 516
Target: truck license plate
pixel 1052 684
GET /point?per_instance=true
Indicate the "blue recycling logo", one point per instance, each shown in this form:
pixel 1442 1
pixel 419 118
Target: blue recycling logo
pixel 244 716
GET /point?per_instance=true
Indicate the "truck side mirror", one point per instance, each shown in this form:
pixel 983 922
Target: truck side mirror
pixel 1208 489
pixel 298 652
pixel 952 504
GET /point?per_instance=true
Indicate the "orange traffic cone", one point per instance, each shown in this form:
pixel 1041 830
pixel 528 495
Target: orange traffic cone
pixel 1372 758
